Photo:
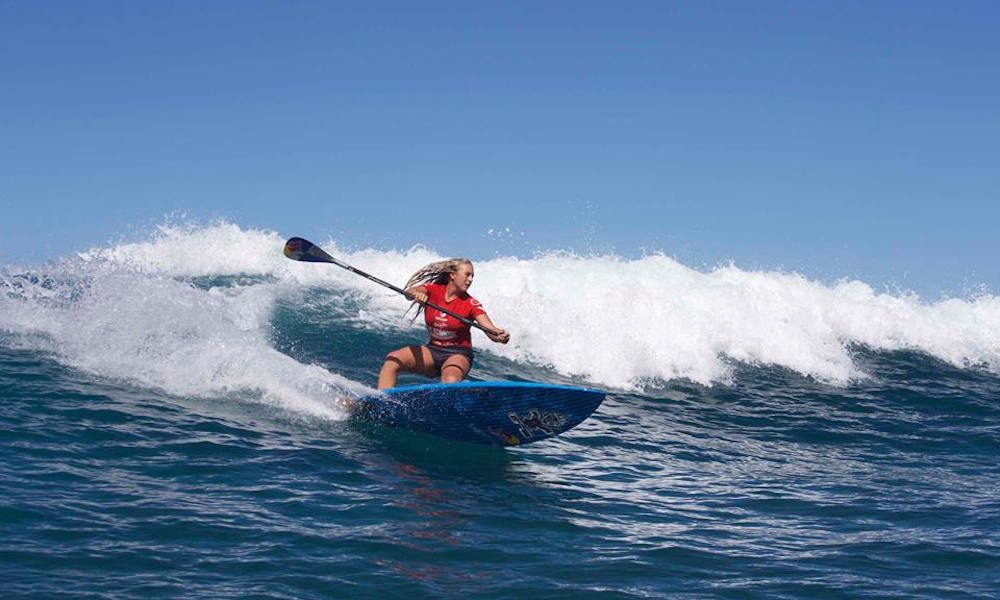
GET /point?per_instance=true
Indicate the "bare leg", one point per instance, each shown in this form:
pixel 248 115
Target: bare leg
pixel 411 359
pixel 455 368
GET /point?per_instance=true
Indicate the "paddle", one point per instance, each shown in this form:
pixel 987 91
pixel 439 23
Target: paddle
pixel 304 250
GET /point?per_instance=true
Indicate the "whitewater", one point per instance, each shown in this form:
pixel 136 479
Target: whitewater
pixel 135 311
pixel 173 425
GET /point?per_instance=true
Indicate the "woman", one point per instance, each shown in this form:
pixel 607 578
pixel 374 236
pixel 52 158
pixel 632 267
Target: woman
pixel 449 352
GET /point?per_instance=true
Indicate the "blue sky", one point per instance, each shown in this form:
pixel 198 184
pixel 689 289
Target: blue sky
pixel 850 139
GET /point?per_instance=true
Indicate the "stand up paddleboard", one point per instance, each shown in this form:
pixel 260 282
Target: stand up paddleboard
pixel 498 413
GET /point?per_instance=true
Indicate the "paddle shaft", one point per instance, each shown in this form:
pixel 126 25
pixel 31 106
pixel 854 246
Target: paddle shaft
pixel 304 250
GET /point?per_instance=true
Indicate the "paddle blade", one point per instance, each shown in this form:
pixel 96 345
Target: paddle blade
pixel 300 249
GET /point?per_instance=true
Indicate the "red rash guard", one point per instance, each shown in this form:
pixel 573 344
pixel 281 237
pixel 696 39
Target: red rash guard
pixel 447 331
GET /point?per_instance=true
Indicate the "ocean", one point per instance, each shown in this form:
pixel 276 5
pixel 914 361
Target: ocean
pixel 171 428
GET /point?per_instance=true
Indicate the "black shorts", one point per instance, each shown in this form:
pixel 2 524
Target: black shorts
pixel 439 355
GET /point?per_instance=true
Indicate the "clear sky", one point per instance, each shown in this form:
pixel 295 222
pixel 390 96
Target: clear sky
pixel 838 139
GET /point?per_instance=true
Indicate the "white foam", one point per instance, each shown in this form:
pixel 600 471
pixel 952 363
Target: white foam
pixel 188 250
pixel 620 322
pixel 130 324
pixel 608 320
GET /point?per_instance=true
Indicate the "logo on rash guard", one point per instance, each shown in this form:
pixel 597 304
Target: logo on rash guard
pixel 443 334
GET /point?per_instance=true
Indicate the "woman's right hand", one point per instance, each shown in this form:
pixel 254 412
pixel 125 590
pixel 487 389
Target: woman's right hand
pixel 419 297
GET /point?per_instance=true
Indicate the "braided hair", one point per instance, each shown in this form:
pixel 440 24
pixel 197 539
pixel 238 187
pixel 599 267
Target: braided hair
pixel 436 272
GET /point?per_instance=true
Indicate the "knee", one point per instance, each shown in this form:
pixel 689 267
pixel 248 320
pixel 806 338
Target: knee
pixel 452 374
pixel 391 362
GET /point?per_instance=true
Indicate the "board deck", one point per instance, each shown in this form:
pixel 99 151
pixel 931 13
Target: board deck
pixel 497 413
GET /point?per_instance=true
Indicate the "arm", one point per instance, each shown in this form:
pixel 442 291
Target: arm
pixel 501 336
pixel 417 293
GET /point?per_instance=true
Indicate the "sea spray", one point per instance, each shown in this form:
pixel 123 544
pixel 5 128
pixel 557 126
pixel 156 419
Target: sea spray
pixel 126 323
pixel 605 320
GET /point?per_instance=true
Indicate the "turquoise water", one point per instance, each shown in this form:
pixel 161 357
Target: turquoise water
pixel 175 434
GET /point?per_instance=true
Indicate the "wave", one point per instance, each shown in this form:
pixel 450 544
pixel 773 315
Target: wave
pixel 135 311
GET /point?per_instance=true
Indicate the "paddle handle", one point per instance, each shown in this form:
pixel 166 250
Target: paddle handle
pixel 303 250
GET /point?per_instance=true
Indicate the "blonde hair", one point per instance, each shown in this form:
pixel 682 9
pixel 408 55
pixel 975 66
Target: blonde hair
pixel 436 272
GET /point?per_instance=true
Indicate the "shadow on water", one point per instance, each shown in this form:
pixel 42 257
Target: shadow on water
pixel 438 456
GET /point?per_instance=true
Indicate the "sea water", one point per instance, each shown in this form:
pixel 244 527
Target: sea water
pixel 171 425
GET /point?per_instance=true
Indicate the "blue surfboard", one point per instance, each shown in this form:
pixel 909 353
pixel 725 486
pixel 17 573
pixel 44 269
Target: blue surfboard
pixel 497 413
